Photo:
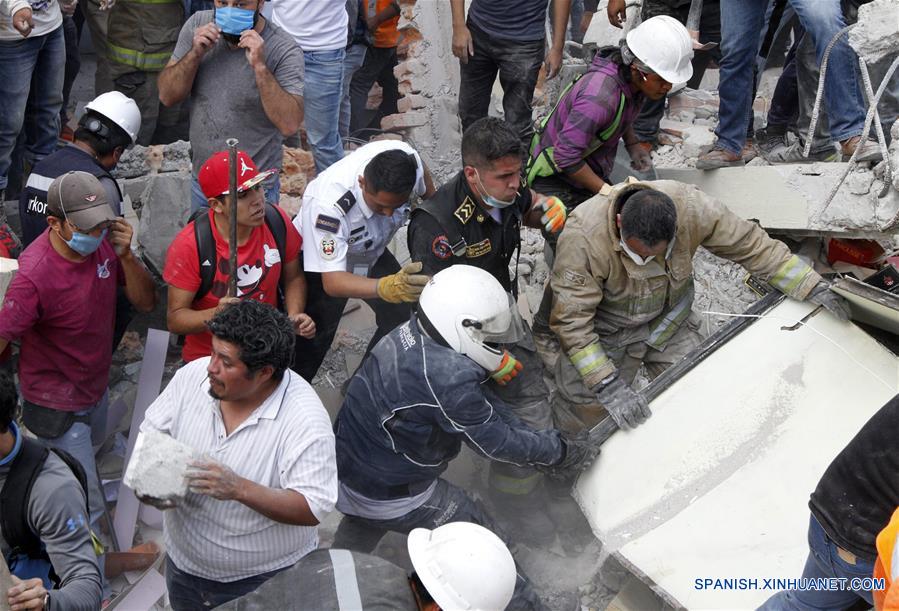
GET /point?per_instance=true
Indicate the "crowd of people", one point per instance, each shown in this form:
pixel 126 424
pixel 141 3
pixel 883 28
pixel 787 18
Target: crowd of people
pixel 451 361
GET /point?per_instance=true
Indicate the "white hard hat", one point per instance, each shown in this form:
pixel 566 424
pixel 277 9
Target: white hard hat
pixel 468 310
pixel 463 566
pixel 118 108
pixel 665 46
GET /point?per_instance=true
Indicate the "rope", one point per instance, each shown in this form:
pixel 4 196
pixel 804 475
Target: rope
pixel 820 95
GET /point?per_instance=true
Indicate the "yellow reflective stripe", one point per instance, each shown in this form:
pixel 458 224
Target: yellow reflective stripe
pixel 672 321
pixel 152 62
pixel 790 275
pixel 589 359
pixel 514 485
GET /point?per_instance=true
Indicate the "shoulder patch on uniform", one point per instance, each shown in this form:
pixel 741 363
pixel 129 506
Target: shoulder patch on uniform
pixel 327 223
pixel 441 248
pixel 575 278
pixel 465 210
pixel 328 248
pixel 479 250
pixel 346 201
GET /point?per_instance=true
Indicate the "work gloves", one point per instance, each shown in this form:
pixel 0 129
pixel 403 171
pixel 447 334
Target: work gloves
pixel 405 285
pixel 641 158
pixel 554 214
pixel 627 407
pixel 822 295
pixel 578 453
pixel 509 367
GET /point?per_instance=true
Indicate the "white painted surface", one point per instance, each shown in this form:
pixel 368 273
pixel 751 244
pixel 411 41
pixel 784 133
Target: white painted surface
pixel 716 483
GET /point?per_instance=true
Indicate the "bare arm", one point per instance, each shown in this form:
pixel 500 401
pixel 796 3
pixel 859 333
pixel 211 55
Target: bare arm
pixel 140 289
pixel 463 47
pixel 586 178
pixel 345 284
pixel 284 110
pixel 561 10
pixel 180 318
pixel 294 282
pixel 177 79
pixel 429 182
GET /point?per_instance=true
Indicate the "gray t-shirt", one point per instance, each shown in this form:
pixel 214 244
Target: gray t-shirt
pixel 225 101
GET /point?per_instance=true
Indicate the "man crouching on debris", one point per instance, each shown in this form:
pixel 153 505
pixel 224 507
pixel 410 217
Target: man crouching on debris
pixel 413 402
pixel 270 475
pixel 623 290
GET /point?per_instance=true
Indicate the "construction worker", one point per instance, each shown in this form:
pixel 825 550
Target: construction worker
pixel 140 38
pixel 109 125
pixel 413 402
pixel 459 565
pixel 476 219
pixel 574 147
pixel 623 290
pixel 350 213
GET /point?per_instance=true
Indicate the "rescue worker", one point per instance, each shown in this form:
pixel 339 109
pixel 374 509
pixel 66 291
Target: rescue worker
pixel 140 38
pixel 573 149
pixel 623 287
pixel 459 565
pixel 413 402
pixel 109 125
pixel 475 219
pixel 350 213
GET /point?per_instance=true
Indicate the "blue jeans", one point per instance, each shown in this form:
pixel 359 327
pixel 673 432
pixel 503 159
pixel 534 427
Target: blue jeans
pixel 741 21
pixel 823 562
pixel 198 200
pixel 189 593
pixel 355 57
pixel 322 96
pixel 34 65
pixel 448 504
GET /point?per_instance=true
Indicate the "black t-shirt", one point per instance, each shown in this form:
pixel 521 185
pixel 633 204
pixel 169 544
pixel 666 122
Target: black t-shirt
pixel 860 489
pixel 452 210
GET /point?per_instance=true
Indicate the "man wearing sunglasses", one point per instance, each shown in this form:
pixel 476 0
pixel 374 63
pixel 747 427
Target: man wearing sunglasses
pixel 623 290
pixel 60 307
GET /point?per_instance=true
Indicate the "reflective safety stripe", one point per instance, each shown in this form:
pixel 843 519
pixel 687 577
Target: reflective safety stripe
pixel 790 275
pixel 589 359
pixel 672 321
pixel 514 485
pixel 41 183
pixel 151 62
pixel 345 582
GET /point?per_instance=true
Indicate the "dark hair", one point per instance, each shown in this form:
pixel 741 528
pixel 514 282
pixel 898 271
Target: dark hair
pixel 423 595
pixel 9 401
pixel 487 140
pixel 263 335
pixel 102 146
pixel 649 216
pixel 392 171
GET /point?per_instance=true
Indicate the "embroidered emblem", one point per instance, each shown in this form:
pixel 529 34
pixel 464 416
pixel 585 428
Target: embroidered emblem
pixel 327 223
pixel 465 211
pixel 441 247
pixel 479 250
pixel 328 248
pixel 575 278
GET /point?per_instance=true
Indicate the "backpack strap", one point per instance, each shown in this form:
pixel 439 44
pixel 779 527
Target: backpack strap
pixel 276 225
pixel 206 255
pixel 14 499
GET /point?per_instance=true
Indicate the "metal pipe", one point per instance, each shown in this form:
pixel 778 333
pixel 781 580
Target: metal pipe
pixel 232 213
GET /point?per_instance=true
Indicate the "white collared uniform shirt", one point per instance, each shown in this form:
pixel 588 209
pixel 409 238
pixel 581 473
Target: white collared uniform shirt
pixel 286 443
pixel 340 233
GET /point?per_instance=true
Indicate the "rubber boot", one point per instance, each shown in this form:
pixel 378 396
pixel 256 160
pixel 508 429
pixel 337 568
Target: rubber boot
pixel 572 527
pixel 518 499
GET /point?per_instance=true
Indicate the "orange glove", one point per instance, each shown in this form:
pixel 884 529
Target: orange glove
pixel 554 214
pixel 508 368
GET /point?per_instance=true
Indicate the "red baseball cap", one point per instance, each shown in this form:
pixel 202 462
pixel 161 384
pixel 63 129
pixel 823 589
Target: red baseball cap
pixel 214 178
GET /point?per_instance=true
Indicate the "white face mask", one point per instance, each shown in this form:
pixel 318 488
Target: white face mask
pixel 641 261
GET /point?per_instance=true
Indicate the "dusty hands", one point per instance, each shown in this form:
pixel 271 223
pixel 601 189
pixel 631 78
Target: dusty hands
pixel 120 233
pixel 617 12
pixel 205 37
pixel 251 42
pixel 463 47
pixel 303 325
pixel 23 22
pixel 641 159
pixel 214 479
pixel 27 594
pixel 553 62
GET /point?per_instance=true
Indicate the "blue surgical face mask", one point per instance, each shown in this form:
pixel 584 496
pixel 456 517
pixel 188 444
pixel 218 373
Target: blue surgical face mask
pixel 234 21
pixel 85 244
pixel 489 199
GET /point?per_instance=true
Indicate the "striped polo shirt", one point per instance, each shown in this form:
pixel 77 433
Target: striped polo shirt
pixel 287 443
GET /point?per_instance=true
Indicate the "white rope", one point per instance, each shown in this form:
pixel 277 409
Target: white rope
pixel 891 387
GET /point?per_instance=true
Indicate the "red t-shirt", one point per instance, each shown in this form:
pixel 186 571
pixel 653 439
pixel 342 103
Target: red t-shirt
pixel 258 272
pixel 64 314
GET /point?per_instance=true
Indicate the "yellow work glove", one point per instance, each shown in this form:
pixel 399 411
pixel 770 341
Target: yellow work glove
pixel 554 214
pixel 508 368
pixel 405 285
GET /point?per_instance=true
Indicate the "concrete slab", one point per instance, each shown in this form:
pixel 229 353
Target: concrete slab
pixel 870 304
pixel 741 439
pixel 791 197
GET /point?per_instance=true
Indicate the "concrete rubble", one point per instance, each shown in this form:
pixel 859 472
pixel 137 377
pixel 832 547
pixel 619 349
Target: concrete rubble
pixel 158 466
pixel 876 35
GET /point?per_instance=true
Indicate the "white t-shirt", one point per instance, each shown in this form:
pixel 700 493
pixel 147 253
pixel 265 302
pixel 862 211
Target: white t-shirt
pixel 341 233
pixel 45 14
pixel 316 25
